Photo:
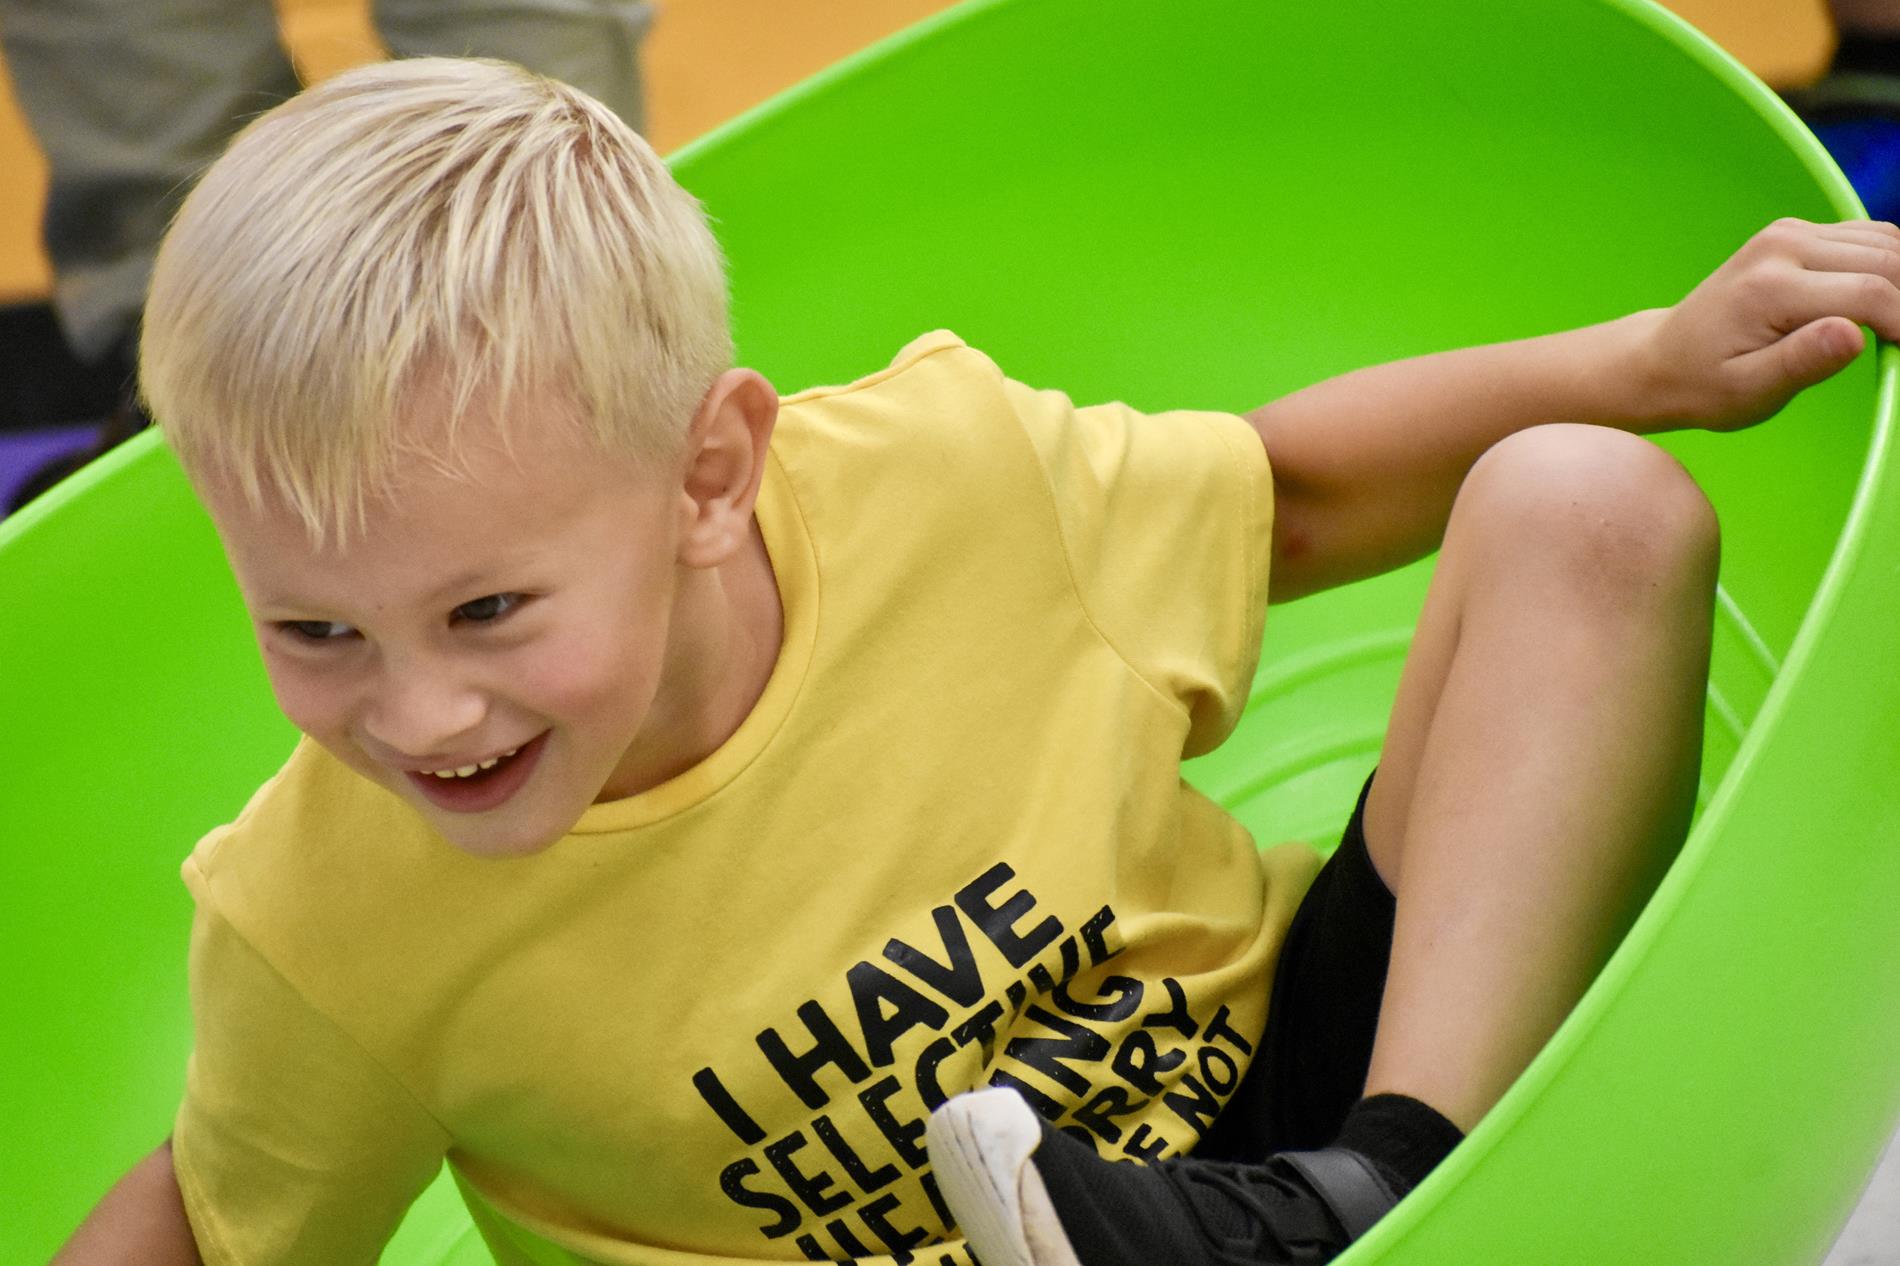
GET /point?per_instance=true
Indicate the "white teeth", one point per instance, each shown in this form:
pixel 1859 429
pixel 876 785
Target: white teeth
pixel 469 770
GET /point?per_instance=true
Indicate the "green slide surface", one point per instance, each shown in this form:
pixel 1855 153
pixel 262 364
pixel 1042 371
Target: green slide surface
pixel 1206 203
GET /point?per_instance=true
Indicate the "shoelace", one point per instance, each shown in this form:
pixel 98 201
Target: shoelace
pixel 1280 1214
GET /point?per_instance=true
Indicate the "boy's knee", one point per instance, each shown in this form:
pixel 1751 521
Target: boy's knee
pixel 1610 508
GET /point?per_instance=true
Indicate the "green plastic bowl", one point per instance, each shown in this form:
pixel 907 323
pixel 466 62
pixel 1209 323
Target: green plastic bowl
pixel 1207 203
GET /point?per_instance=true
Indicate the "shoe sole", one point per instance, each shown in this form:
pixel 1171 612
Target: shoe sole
pixel 980 1144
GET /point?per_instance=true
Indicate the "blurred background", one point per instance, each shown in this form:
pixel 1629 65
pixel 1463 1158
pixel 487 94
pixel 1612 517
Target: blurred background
pixel 65 389
pixel 64 397
pixel 702 62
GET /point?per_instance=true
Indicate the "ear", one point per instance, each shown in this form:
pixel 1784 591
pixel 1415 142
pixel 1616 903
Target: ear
pixel 724 464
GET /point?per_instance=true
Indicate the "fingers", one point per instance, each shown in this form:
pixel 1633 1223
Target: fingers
pixel 1790 365
pixel 1833 256
pixel 1802 241
pixel 1854 251
pixel 1874 231
pixel 1851 269
pixel 1867 298
pixel 1853 231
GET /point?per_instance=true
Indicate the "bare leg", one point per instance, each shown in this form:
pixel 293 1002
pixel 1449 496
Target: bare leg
pixel 1538 774
pixel 1539 769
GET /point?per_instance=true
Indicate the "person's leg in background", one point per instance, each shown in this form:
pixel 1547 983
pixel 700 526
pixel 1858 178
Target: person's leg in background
pixel 129 102
pixel 591 44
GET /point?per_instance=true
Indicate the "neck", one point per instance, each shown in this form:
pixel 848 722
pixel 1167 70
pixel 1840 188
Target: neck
pixel 727 627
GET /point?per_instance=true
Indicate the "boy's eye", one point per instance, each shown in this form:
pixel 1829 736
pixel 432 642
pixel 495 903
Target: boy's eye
pixel 316 630
pixel 491 608
pixel 481 611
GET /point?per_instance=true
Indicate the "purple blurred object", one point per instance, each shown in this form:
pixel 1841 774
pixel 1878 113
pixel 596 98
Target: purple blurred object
pixel 24 452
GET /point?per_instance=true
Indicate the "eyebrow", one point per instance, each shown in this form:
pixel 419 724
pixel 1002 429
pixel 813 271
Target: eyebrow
pixel 462 582
pixel 465 582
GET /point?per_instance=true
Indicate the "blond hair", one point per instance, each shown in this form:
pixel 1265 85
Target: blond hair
pixel 425 225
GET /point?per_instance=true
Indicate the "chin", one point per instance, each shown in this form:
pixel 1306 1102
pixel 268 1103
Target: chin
pixel 496 836
pixel 498 843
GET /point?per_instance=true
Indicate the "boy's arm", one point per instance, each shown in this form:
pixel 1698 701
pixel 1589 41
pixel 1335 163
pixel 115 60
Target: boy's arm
pixel 1365 466
pixel 141 1220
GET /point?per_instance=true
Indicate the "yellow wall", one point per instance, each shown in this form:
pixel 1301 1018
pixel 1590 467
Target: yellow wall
pixel 23 271
pixel 709 59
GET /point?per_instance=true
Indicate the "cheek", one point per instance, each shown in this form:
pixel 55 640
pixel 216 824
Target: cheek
pixel 314 703
pixel 597 679
pixel 612 648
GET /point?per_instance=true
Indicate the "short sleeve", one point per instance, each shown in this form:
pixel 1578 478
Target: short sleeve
pixel 292 1144
pixel 1167 522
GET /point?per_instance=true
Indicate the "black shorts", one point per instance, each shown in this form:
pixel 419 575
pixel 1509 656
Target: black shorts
pixel 1311 1066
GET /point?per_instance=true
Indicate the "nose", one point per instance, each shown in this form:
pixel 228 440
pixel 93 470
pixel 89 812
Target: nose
pixel 418 710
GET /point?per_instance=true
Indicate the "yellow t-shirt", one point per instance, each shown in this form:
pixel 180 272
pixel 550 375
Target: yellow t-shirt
pixel 949 847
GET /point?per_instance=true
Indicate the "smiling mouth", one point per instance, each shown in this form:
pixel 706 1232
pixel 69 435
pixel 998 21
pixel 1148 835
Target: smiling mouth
pixel 487 784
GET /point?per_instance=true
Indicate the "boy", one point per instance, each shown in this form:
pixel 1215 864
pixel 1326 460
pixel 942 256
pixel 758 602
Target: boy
pixel 609 661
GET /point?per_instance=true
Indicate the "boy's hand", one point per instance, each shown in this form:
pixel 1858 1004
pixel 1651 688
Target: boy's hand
pixel 1780 315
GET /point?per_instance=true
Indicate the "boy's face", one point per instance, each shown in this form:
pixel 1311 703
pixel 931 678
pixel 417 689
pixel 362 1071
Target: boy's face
pixel 520 623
